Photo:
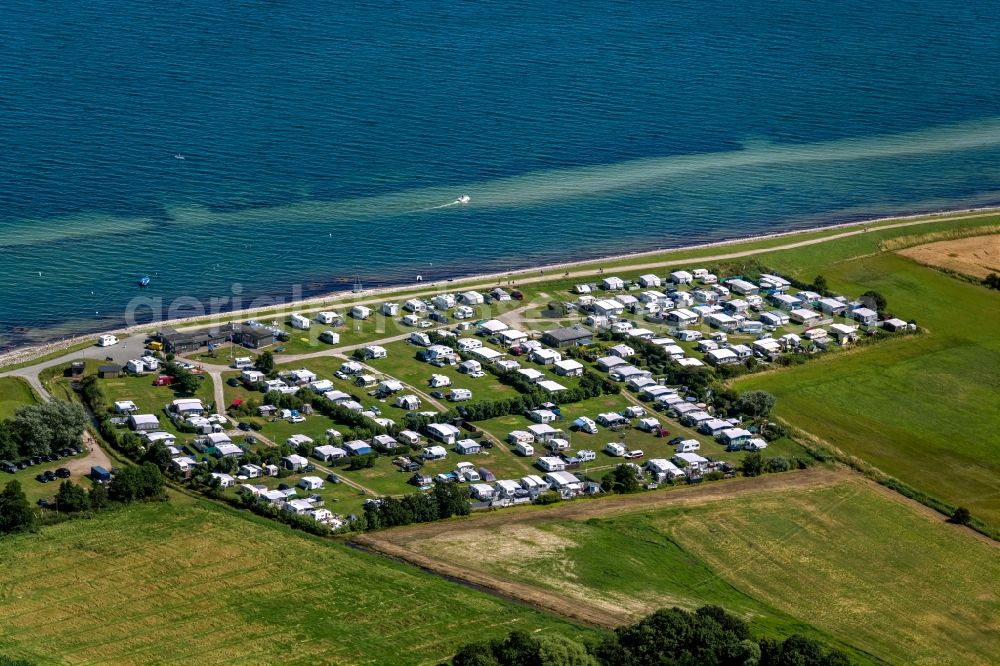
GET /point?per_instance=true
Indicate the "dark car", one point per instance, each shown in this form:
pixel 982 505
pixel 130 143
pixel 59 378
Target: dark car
pixel 250 439
pixel 437 394
pixel 41 478
pixel 333 478
pixel 310 468
pixel 517 295
pixel 62 473
pixel 244 426
pixel 49 474
pixel 232 381
pixel 675 441
pixel 283 486
pixel 8 466
pixel 439 318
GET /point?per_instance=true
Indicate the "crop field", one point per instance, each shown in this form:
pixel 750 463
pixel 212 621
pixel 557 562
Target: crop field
pixel 187 581
pixel 830 555
pixel 923 408
pixel 14 393
pixel 977 256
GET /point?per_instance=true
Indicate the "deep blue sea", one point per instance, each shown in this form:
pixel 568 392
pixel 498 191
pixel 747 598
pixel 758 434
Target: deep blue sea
pixel 322 140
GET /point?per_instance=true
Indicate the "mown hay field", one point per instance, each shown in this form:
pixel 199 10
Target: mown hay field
pixel 849 563
pixel 190 582
pixel 921 408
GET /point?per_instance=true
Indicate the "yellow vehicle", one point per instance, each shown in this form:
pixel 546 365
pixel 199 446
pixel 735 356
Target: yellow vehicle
pixel 155 346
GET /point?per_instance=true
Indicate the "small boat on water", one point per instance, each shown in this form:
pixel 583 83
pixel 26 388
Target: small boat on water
pixel 464 199
pixel 144 281
pixel 178 156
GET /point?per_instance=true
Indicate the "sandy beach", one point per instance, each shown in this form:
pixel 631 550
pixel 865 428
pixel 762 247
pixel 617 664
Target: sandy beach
pixel 581 268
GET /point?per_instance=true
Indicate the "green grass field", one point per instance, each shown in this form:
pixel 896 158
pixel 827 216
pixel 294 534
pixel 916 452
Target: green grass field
pixel 844 562
pixel 189 581
pixel 14 393
pixel 923 408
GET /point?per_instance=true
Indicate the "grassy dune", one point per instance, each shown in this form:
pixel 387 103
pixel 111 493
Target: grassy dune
pixel 189 582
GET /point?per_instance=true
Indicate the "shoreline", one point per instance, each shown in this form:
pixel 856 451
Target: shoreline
pixel 23 354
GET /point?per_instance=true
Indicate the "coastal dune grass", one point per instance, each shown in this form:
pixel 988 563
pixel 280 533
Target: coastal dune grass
pixel 188 582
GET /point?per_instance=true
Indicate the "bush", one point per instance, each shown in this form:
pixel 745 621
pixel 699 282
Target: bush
pixel 777 464
pixel 960 516
pixel 548 497
pixel 753 464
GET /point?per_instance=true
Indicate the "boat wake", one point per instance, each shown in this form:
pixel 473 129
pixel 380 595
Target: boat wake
pixel 461 201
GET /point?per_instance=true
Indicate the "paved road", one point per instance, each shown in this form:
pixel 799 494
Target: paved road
pixel 129 348
pixel 564 271
pixel 133 343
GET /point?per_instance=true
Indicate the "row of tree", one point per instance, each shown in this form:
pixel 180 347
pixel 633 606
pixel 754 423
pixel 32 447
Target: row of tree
pixel 38 430
pixel 707 637
pixel 444 501
pixel 130 484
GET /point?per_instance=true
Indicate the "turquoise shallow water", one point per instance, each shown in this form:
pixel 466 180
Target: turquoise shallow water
pixel 322 141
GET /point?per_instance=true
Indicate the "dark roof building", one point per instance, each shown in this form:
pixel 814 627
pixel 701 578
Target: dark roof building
pixel 106 371
pixel 252 337
pixel 567 337
pixel 176 342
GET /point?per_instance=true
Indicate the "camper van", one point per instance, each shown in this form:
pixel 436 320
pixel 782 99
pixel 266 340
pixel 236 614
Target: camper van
pixel 614 449
pixel 107 341
pixel 460 394
pixel 688 446
pixel 586 425
pixel 524 449
pixel 241 362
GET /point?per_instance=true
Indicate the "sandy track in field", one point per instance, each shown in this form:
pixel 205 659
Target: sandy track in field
pixel 398 543
pixel 977 256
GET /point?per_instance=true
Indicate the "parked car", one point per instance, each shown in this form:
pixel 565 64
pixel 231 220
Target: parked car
pixel 244 426
pixel 638 453
pixel 298 418
pixel 62 473
pixel 41 478
pixel 8 466
pixel 333 478
pixel 232 381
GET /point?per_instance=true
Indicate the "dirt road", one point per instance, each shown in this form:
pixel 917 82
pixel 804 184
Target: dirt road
pixel 80 467
pixel 398 543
